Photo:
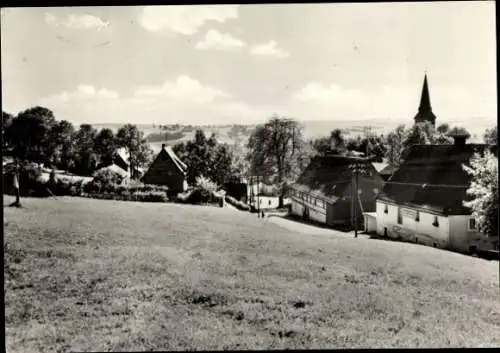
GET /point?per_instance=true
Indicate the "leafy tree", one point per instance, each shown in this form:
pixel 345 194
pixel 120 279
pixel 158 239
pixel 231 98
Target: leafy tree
pixel 7 120
pixel 337 140
pixel 273 149
pixel 484 189
pixel 63 144
pixel 105 146
pixel 490 136
pixel 85 156
pixel 133 140
pixel 395 146
pixel 29 134
pixel 443 128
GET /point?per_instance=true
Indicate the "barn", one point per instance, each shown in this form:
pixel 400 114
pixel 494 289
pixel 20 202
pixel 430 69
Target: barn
pixel 167 169
pixel 323 191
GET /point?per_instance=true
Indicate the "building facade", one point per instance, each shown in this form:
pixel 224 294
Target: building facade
pixel 423 201
pixel 325 192
pixel 167 169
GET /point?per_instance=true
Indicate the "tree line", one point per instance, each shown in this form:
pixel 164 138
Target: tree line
pixel 35 135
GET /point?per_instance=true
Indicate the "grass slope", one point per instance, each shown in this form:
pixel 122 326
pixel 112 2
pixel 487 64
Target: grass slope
pixel 86 275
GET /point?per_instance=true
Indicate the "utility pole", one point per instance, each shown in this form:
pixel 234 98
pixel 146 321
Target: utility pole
pixel 258 197
pixel 357 167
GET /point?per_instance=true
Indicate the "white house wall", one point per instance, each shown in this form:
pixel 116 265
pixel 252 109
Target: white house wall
pixel 422 231
pixel 316 213
pixel 460 233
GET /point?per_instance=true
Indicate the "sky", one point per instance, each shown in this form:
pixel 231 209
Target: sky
pixel 224 64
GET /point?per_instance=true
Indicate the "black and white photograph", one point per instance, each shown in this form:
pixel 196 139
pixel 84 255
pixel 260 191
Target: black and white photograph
pixel 250 177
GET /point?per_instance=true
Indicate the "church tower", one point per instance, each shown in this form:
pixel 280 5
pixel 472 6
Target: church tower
pixel 425 110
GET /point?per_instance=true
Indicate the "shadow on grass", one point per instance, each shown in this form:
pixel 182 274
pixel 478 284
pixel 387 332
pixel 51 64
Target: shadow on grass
pixel 485 255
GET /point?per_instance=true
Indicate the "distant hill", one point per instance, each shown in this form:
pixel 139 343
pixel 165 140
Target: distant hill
pixel 230 133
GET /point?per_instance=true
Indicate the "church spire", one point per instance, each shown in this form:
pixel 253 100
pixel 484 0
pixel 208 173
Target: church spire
pixel 425 110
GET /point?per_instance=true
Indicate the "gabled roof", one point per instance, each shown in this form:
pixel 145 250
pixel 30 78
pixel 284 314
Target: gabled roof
pixel 167 153
pixel 329 176
pixel 123 154
pixel 432 177
pixel 182 167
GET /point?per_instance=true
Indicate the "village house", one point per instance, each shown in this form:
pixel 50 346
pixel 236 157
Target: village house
pixel 167 169
pixel 423 201
pixel 323 193
pixel 120 164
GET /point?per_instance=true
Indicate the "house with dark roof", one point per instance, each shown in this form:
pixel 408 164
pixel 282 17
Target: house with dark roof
pixel 423 201
pixel 167 169
pixel 325 193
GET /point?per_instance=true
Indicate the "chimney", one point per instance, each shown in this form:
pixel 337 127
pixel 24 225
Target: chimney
pixel 460 136
pixel 163 146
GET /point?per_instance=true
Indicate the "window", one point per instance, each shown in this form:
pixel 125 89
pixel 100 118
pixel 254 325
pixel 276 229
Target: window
pixel 436 222
pixel 386 208
pixel 417 217
pixel 400 218
pixel 472 223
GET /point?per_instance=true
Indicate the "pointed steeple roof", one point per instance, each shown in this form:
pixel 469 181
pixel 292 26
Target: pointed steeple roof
pixel 425 110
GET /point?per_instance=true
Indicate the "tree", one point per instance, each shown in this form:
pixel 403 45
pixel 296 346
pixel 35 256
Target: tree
pixel 337 140
pixel 133 140
pixel 63 145
pixel 490 136
pixel 443 128
pixel 273 149
pixel 105 146
pixel 484 189
pixel 85 156
pixel 7 120
pixel 29 134
pixel 395 146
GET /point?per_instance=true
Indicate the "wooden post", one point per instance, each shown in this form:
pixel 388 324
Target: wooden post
pixel 16 185
pixel 258 197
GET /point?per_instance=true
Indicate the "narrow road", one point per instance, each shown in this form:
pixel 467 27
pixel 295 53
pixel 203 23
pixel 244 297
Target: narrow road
pixel 310 228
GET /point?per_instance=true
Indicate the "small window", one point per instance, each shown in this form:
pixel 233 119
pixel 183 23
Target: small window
pixel 417 217
pixel 386 208
pixel 436 222
pixel 472 223
pixel 269 203
pixel 400 218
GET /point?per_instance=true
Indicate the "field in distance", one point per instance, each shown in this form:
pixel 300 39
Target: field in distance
pixel 86 275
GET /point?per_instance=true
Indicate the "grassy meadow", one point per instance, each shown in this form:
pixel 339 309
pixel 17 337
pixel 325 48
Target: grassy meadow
pixel 87 275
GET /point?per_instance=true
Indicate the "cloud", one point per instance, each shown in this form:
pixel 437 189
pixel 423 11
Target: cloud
pixel 331 94
pixel 85 21
pixel 183 88
pixel 269 49
pixel 219 41
pixel 184 19
pixel 182 100
pixel 83 93
pixel 50 19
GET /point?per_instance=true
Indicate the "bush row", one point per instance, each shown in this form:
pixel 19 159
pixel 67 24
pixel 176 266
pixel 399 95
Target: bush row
pixel 199 196
pixel 96 186
pixel 150 196
pixel 238 204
